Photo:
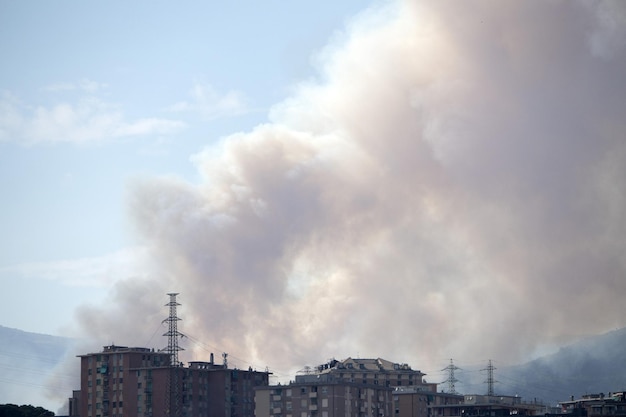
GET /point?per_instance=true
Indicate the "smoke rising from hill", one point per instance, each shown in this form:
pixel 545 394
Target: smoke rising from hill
pixel 451 186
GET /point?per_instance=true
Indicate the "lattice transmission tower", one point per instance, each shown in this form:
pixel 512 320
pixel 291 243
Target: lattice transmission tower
pixel 173 383
pixel 451 380
pixel 490 379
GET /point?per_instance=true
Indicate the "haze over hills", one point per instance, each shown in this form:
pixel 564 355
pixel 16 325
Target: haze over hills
pixel 592 365
pixel 27 365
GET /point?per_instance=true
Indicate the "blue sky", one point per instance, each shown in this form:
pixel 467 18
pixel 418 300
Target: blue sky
pixel 93 95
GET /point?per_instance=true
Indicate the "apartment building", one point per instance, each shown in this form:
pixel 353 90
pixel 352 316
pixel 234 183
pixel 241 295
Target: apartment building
pixel 324 398
pixel 594 405
pixel 351 387
pixel 372 371
pixel 135 381
pixel 488 406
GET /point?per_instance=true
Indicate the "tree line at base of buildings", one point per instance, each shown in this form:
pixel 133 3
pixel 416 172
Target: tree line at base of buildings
pixel 12 410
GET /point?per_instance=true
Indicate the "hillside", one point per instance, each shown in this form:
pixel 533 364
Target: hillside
pixel 27 362
pixel 593 365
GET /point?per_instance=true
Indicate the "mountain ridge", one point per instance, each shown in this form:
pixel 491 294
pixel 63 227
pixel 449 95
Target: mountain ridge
pixel 591 365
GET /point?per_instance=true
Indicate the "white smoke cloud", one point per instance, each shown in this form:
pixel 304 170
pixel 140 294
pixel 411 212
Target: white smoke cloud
pixel 451 186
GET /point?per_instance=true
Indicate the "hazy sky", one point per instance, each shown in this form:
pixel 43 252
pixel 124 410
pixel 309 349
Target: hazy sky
pixel 93 96
pixel 411 180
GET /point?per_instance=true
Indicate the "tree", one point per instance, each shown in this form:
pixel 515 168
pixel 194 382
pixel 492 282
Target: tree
pixel 12 410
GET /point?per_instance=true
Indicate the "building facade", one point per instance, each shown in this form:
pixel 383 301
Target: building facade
pixel 416 401
pixel 594 405
pixel 324 398
pixel 487 406
pixel 351 387
pixel 122 381
pixel 371 371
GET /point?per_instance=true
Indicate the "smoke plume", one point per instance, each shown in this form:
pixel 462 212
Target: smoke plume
pixel 450 185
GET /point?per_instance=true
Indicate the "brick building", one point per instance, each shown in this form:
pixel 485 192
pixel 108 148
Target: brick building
pixel 134 381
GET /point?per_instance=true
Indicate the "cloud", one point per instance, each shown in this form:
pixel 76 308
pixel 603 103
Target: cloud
pixel 98 271
pixel 452 188
pixel 84 85
pixel 87 120
pixel 210 104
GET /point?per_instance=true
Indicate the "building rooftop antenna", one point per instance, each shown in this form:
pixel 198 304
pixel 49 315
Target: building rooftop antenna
pixel 451 381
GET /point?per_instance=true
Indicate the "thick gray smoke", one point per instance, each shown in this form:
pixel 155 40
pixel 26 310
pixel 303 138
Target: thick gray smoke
pixel 453 185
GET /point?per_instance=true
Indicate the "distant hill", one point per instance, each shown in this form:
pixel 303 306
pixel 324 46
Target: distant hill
pixel 593 365
pixel 27 362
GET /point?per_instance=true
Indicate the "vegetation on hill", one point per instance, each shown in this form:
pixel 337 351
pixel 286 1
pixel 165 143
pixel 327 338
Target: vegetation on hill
pixel 12 410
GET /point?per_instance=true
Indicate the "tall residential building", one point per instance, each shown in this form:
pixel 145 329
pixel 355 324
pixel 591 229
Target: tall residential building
pixel 351 387
pixel 134 381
